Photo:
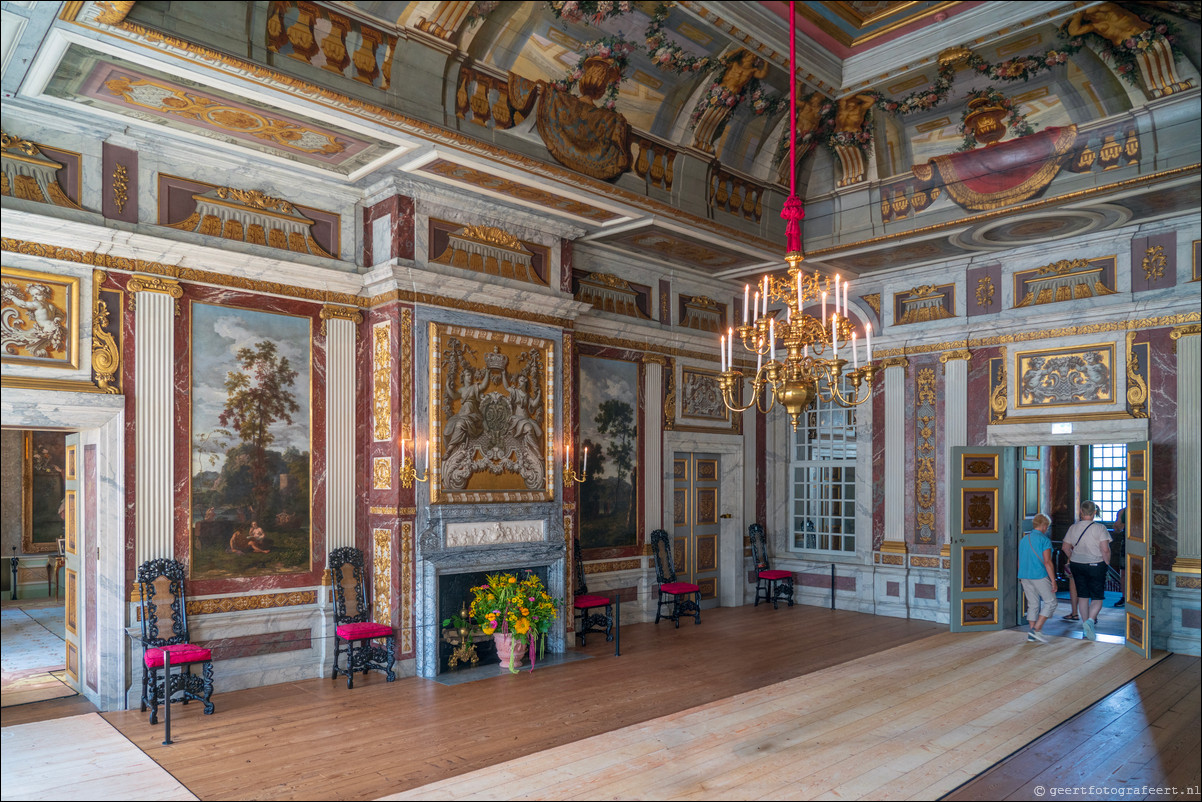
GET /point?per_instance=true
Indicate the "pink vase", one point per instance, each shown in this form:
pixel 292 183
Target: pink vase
pixel 511 652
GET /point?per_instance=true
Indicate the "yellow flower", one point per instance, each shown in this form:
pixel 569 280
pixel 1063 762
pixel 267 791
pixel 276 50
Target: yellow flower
pixel 489 628
pixel 521 626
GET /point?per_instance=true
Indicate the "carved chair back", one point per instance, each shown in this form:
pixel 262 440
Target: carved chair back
pixel 581 584
pixel 163 602
pixel 665 564
pixel 350 590
pixel 759 546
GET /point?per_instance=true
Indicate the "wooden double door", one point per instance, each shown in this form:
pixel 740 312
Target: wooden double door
pixel 696 522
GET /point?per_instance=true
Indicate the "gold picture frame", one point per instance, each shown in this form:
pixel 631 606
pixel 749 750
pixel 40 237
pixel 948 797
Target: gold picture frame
pixel 492 419
pixel 46 311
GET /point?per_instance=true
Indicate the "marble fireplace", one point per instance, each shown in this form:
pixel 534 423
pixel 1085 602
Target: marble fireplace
pixel 454 553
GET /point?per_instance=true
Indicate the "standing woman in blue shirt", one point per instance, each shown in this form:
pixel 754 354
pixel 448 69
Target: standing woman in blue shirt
pixel 1037 576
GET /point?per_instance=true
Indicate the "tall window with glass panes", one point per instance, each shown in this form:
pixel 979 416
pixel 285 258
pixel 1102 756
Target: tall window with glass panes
pixel 823 491
pixel 1108 479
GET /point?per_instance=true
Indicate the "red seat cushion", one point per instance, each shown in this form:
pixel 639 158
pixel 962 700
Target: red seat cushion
pixel 364 630
pixel 583 602
pixel 774 574
pixel 679 587
pixel 180 653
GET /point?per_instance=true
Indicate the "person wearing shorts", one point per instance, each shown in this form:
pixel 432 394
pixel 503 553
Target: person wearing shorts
pixel 1087 544
pixel 1037 576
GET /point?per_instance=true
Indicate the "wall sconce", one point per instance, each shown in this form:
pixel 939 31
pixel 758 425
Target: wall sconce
pixel 570 477
pixel 408 471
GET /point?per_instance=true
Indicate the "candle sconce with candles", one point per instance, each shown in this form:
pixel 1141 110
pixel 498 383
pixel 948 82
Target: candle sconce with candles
pixel 408 470
pixel 570 476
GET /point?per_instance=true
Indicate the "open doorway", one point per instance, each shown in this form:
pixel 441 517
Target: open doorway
pixel 1055 479
pixel 33 665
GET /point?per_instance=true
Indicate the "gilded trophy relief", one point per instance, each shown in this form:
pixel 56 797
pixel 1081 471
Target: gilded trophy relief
pixel 491 413
pixel 1065 376
pixel 39 319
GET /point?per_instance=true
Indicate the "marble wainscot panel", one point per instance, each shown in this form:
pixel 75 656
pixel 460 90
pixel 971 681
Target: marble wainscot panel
pixel 876 471
pixel 250 648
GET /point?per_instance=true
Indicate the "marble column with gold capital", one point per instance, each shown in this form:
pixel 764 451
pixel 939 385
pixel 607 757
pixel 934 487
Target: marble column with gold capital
pixel 155 303
pixel 895 456
pixel 340 325
pixel 1189 449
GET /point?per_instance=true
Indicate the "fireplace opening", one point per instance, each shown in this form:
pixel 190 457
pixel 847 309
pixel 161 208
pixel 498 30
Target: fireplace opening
pixel 455 591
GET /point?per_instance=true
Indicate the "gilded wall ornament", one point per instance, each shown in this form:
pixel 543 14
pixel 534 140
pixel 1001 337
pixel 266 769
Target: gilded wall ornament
pixel 27 173
pixel 120 187
pixel 106 354
pixel 984 291
pixel 1137 384
pixel 381 473
pixel 1154 263
pixel 924 304
pixel 610 293
pixel 1065 280
pixel 381 389
pixel 331 312
pixel 382 577
pixel 40 320
pixel 259 601
pixel 253 217
pixel 874 301
pixel 924 456
pixel 1065 376
pixel 998 403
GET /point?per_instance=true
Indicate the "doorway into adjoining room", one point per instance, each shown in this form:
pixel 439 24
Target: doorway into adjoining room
pixel 33 666
pixel 1054 480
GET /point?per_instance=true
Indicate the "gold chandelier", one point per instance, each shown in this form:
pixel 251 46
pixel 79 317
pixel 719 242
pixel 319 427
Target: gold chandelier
pixel 811 367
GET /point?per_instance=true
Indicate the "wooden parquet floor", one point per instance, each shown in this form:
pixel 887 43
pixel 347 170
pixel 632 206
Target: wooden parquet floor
pixel 317 740
pixel 754 703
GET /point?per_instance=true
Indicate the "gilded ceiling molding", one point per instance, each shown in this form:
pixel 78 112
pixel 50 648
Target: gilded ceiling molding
pixel 113 12
pixel 192 53
pixel 492 251
pixel 29 174
pixel 609 293
pixel 408 296
pixel 331 312
pixel 185 274
pixel 106 356
pixel 636 345
pixel 1046 334
pixel 53 385
pixel 253 217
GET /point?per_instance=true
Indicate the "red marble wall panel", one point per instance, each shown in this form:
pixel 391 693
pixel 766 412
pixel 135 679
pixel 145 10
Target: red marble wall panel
pixel 823 580
pixel 258 645
pixel 878 463
pixel 400 211
pixel 978 396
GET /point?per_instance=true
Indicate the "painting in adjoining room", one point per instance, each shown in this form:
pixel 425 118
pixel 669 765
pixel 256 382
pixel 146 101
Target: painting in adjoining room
pixel 43 491
pixel 492 402
pixel 609 418
pixel 250 469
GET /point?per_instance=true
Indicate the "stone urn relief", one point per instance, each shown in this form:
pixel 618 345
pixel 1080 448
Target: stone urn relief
pixel 984 120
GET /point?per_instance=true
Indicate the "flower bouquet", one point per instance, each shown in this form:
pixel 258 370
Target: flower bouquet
pixel 519 608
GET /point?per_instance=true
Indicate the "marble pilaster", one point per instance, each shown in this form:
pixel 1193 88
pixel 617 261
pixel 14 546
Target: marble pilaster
pixel 340 429
pixel 154 359
pixel 895 458
pixel 1189 450
pixel 955 421
pixel 653 452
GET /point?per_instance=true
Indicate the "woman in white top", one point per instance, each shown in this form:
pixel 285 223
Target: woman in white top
pixel 1087 544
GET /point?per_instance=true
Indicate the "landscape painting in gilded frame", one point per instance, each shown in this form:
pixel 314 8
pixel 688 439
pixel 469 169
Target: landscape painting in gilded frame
pixel 609 418
pixel 250 443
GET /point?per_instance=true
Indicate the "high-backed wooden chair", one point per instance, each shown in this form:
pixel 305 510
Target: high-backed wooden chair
pixel 685 597
pixel 164 613
pixel 586 620
pixel 771 585
pixel 354 630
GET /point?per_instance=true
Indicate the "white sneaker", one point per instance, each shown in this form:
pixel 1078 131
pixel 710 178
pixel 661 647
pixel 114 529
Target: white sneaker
pixel 1039 636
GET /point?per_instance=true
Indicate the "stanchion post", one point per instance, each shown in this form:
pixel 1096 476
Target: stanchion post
pixel 167 695
pixel 832 586
pixel 618 625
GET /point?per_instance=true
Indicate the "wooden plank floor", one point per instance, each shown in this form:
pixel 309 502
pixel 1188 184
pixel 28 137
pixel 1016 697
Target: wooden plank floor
pixel 1147 733
pixel 906 723
pixel 317 740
